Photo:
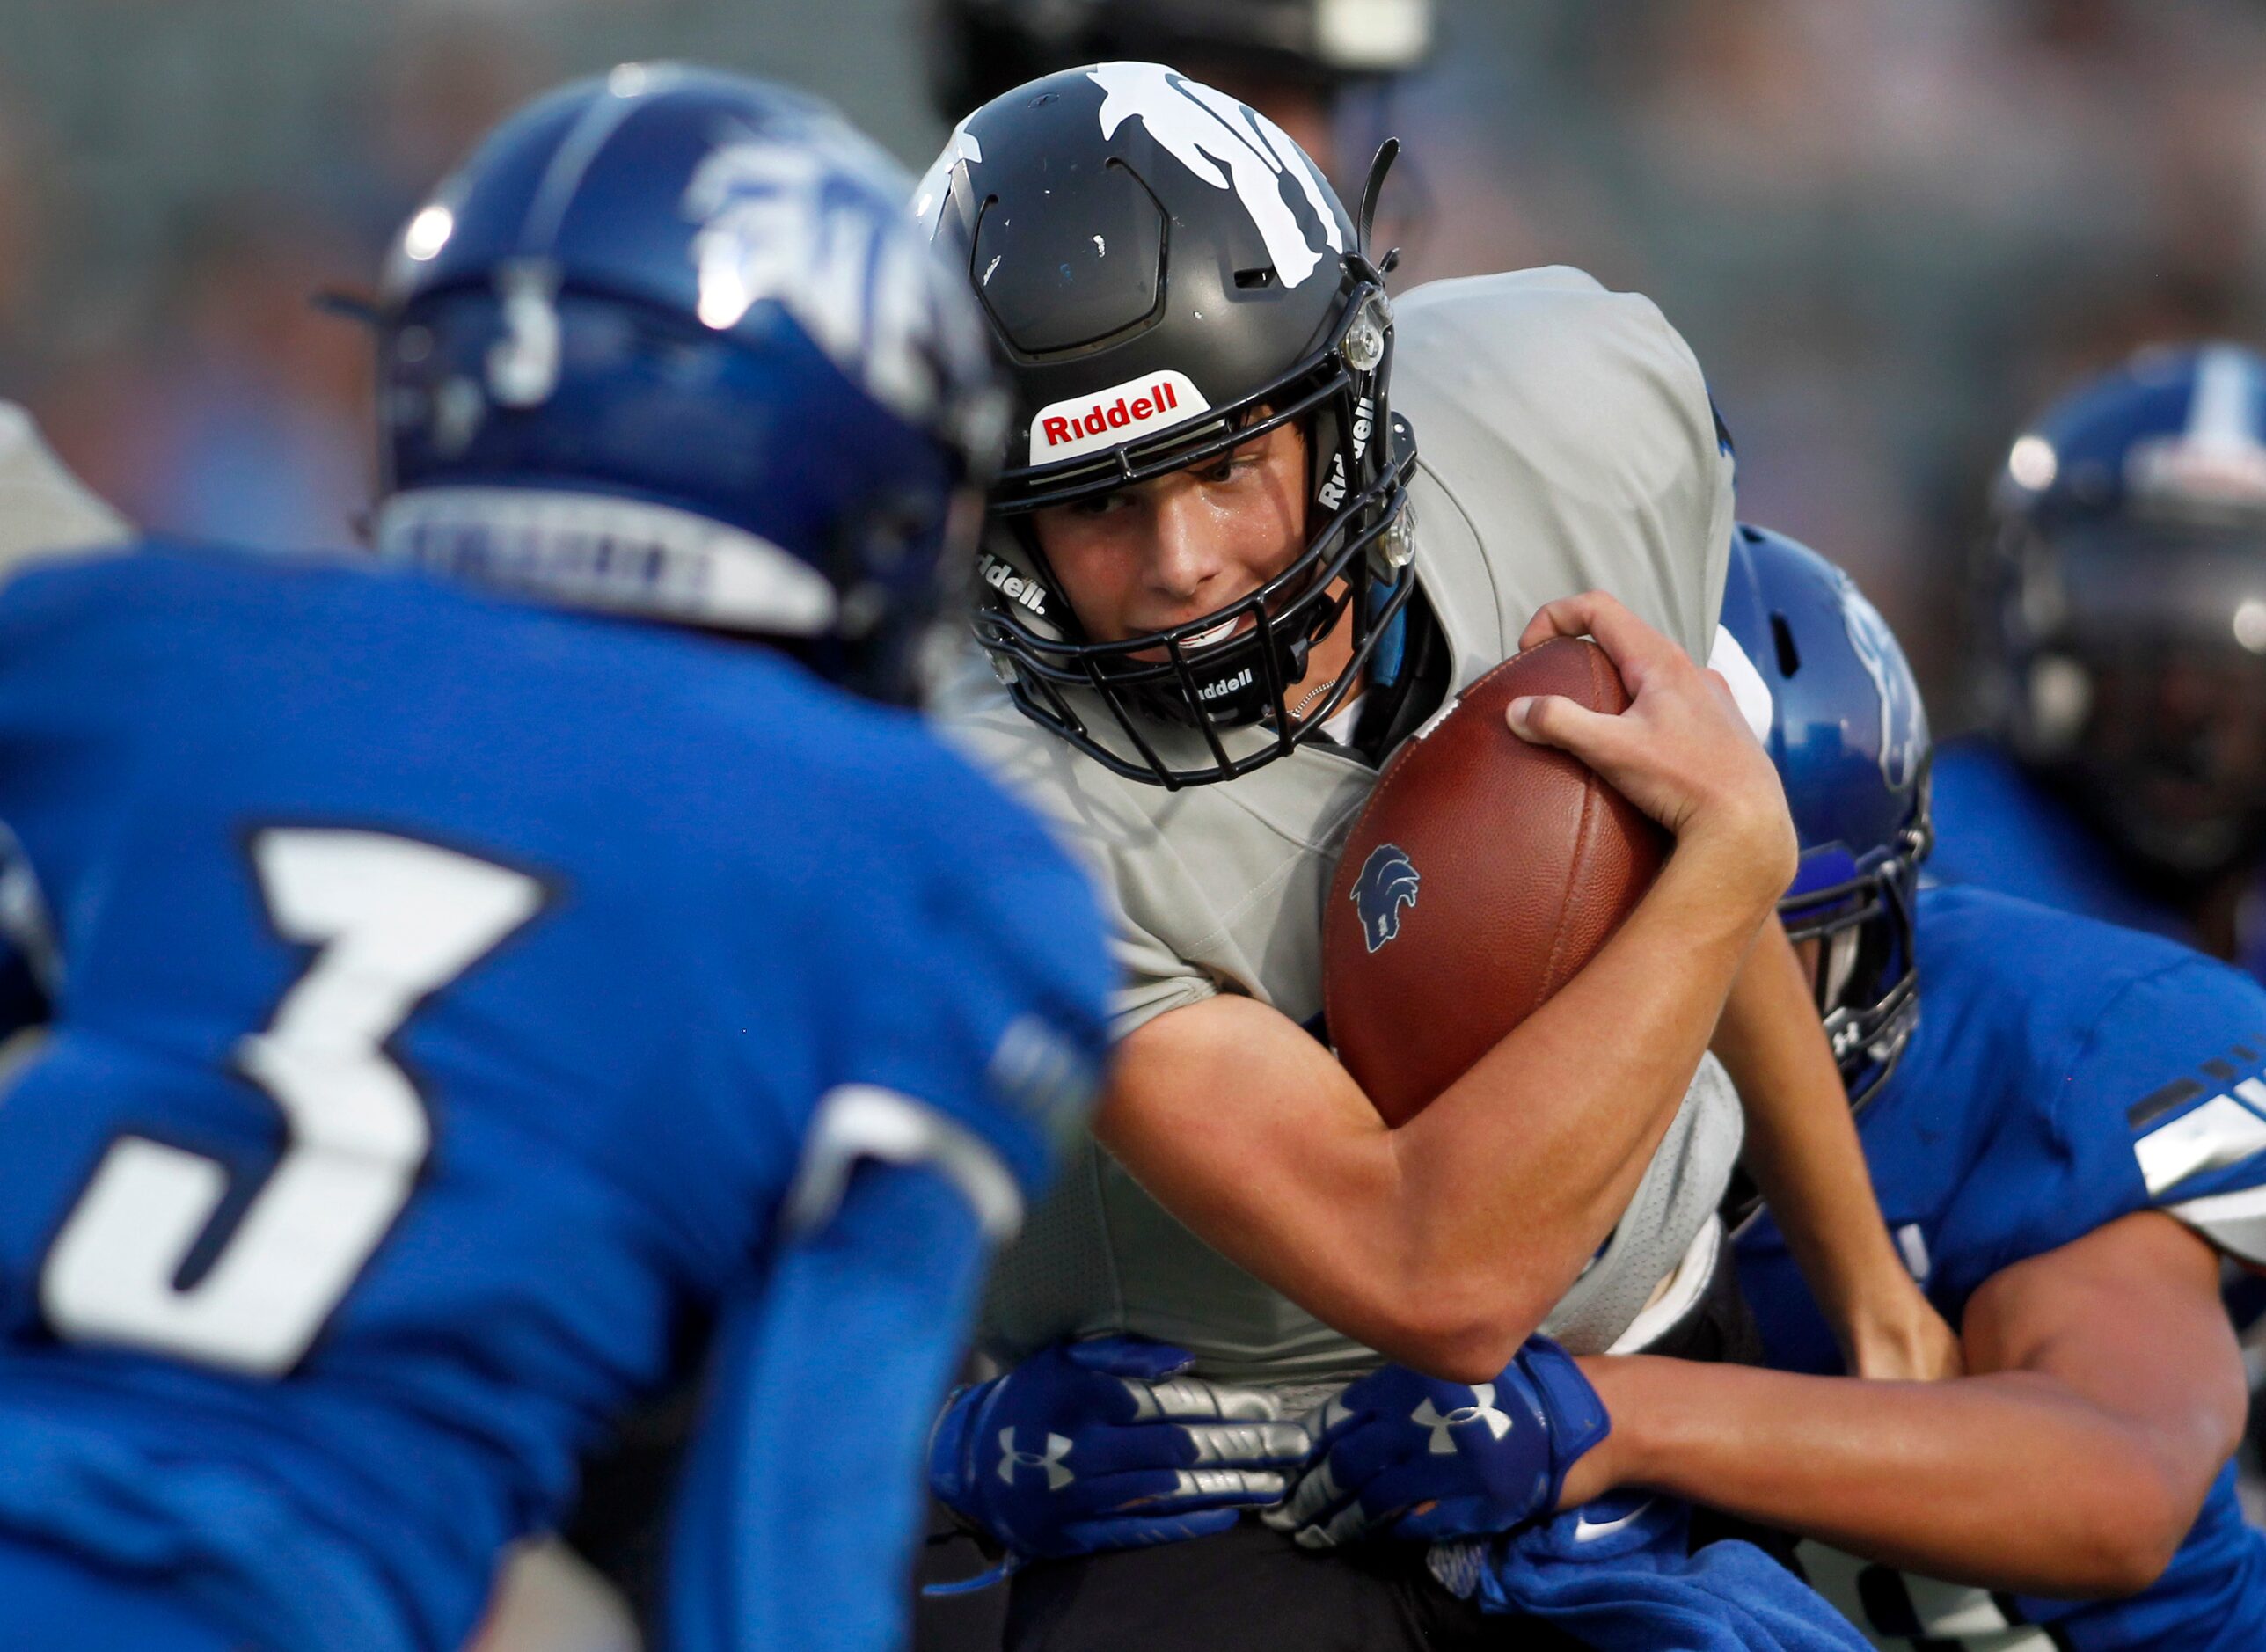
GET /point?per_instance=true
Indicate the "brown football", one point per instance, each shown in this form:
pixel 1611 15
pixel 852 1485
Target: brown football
pixel 1481 874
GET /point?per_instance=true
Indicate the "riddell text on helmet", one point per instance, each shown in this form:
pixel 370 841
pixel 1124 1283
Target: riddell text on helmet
pixel 1085 424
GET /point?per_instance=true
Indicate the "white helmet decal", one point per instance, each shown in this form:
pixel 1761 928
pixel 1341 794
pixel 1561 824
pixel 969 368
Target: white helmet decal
pixel 866 291
pixel 1123 412
pixel 1904 720
pixel 2218 459
pixel 1205 129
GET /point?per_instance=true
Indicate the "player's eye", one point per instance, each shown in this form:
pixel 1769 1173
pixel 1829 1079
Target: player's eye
pixel 1104 505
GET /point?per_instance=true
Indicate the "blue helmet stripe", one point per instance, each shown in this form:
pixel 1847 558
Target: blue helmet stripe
pixel 579 150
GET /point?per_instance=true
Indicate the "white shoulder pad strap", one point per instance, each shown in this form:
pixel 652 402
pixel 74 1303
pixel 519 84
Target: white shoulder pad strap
pixel 863 1120
pixel 1753 695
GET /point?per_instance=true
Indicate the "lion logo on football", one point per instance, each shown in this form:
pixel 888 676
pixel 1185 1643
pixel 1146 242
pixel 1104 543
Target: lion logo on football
pixel 1388 882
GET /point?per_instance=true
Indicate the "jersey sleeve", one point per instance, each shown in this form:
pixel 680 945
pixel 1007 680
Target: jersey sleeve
pixel 2168 1100
pixel 1152 978
pixel 977 1045
pixel 1577 421
pixel 798 1509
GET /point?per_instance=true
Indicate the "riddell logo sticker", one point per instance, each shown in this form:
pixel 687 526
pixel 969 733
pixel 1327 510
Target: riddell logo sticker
pixel 1123 412
pixel 1016 587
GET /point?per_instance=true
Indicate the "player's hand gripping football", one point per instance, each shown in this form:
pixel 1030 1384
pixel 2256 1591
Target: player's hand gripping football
pixel 1681 752
pixel 1104 1444
pixel 1414 1457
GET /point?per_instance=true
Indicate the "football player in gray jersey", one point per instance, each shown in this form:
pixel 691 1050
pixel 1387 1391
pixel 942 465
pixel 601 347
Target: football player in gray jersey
pixel 1220 585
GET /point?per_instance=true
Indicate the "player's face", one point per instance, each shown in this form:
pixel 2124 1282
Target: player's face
pixel 1166 552
pixel 2188 727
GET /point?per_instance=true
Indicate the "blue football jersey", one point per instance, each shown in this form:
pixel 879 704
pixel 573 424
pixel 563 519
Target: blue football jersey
pixel 2065 1073
pixel 1996 828
pixel 449 1002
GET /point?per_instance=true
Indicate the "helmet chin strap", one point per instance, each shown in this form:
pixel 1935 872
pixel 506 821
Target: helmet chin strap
pixel 1298 712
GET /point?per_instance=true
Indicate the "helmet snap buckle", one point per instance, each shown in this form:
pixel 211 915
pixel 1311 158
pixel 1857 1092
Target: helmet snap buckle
pixel 1363 344
pixel 1396 546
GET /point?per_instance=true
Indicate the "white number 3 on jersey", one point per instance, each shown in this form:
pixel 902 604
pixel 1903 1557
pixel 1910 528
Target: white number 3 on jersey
pixel 395 921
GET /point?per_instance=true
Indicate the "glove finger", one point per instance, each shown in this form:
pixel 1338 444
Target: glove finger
pixel 1388 1388
pixel 1201 1445
pixel 1090 1537
pixel 1045 1525
pixel 1194 1398
pixel 1348 1524
pixel 1170 1491
pixel 1385 1498
pixel 1331 1417
pixel 1092 1493
pixel 1453 1519
pixel 1315 1498
pixel 1405 1485
pixel 1370 1445
pixel 1128 1356
pixel 1226 1487
pixel 1446 1520
pixel 1247 1444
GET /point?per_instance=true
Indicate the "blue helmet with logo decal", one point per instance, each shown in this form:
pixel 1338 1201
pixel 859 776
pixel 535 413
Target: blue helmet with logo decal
pixel 1850 738
pixel 666 344
pixel 2127 630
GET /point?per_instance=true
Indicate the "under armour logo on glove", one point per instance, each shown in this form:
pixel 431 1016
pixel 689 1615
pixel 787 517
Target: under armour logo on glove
pixel 1137 1451
pixel 1482 1410
pixel 1399 1453
pixel 1050 1459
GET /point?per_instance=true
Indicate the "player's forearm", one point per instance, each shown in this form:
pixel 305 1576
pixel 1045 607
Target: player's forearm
pixel 1531 1159
pixel 1803 1152
pixel 2007 1482
pixel 1442 1244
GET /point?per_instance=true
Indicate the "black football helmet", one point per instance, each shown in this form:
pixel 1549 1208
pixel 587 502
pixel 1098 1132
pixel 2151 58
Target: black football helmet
pixel 1168 275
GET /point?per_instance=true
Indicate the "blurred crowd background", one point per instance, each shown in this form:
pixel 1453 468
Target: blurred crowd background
pixel 1890 228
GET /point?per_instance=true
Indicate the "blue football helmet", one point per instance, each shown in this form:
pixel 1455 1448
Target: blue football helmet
pixel 667 344
pixel 1850 738
pixel 2127 587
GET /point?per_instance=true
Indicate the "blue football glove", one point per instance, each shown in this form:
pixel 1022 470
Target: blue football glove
pixel 1417 1459
pixel 1102 1444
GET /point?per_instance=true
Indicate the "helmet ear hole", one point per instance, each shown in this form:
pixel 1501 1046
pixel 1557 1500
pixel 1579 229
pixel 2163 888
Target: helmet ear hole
pixel 1789 657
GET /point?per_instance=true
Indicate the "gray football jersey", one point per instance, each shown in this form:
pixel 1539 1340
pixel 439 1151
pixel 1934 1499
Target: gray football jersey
pixel 43 507
pixel 1566 442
